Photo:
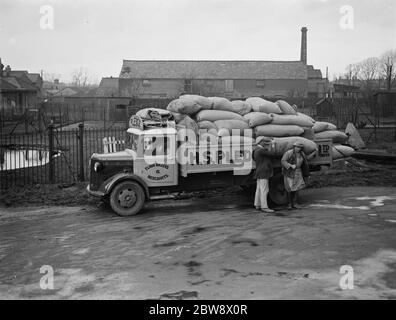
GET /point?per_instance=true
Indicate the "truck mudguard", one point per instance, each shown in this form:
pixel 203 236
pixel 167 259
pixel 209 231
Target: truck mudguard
pixel 110 183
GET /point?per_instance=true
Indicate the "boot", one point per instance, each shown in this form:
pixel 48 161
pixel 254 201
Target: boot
pixel 289 201
pixel 292 202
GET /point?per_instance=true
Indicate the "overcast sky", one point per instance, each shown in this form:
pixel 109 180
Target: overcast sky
pixel 99 34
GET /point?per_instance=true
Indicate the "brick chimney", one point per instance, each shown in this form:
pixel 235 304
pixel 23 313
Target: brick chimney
pixel 1 68
pixel 304 45
pixel 7 71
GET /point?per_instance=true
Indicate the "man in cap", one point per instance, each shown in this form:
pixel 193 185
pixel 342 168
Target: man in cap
pixel 264 171
pixel 294 169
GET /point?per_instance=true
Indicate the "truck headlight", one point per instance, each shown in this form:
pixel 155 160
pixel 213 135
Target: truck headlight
pixel 98 166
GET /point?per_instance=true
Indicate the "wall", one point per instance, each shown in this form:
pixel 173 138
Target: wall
pixel 317 87
pixel 161 88
pixel 171 88
pixel 272 88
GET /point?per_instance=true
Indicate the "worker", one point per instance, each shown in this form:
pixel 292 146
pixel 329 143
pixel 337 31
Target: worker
pixel 264 171
pixel 294 169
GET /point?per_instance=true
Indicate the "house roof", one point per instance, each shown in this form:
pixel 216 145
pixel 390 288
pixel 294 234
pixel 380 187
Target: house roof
pixel 386 92
pixel 34 77
pixel 345 88
pixel 7 85
pixel 194 69
pixel 108 87
pixel 74 91
pixel 16 84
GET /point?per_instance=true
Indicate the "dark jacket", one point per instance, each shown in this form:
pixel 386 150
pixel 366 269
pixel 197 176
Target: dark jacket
pixel 264 167
pixel 289 158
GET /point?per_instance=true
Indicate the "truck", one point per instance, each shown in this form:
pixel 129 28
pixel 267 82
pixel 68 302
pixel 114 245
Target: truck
pixel 157 163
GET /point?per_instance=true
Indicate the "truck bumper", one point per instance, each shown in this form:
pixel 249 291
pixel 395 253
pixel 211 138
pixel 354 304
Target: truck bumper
pixel 98 194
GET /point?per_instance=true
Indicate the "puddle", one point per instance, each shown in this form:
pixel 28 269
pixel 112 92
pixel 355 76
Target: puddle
pixel 13 159
pixel 338 206
pixel 377 201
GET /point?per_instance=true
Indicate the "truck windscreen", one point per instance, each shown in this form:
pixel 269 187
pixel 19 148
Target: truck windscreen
pixel 132 141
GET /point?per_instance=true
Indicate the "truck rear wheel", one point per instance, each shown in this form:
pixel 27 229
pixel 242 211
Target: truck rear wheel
pixel 277 191
pixel 127 198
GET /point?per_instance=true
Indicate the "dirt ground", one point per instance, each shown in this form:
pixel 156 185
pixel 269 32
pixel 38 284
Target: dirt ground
pixel 215 247
pixel 369 174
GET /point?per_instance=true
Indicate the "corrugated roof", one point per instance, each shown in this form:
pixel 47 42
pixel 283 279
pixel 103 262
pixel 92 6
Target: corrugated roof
pixel 194 69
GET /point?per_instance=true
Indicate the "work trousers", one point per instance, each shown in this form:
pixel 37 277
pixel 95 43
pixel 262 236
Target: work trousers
pixel 262 190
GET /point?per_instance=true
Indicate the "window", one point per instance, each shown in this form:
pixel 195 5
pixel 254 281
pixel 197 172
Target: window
pixel 146 83
pixel 229 85
pixel 132 141
pixel 188 86
pixel 260 83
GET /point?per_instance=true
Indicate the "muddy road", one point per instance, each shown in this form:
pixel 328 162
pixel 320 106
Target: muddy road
pixel 209 248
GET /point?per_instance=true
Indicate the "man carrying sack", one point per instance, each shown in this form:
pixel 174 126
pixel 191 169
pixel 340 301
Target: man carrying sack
pixel 264 171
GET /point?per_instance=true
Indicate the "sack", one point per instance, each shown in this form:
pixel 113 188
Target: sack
pixel 281 145
pixel 291 119
pixel 184 106
pixel 255 119
pixel 285 107
pixel 223 132
pixel 238 126
pixel 240 107
pixel 178 116
pixel 335 136
pixel 261 105
pixel 204 102
pixel 214 115
pixel 340 152
pixel 189 124
pixel 321 126
pixel 308 134
pixel 276 130
pixel 306 116
pixel 147 112
pixel 207 125
pixel 220 103
pixel 241 140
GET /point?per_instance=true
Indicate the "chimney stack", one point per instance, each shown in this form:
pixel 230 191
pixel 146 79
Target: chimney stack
pixel 304 45
pixel 1 68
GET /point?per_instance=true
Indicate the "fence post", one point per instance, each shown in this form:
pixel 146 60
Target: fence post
pixel 81 175
pixel 51 151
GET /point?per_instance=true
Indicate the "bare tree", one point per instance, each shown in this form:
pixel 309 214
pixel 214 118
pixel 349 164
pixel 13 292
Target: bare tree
pixel 353 71
pixel 80 77
pixel 386 67
pixel 369 70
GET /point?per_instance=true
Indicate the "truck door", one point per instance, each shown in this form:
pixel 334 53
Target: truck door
pixel 157 163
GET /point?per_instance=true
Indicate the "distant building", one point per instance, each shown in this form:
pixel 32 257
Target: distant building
pixel 231 79
pixel 19 89
pixel 109 87
pixel 386 102
pixel 345 91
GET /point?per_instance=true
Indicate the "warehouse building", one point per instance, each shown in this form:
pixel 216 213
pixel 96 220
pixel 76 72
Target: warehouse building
pixel 231 79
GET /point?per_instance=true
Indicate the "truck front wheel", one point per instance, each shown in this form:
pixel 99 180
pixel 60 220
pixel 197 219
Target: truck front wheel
pixel 127 198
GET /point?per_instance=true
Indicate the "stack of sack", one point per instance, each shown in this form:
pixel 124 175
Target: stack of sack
pixel 325 130
pixel 278 120
pixel 218 116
